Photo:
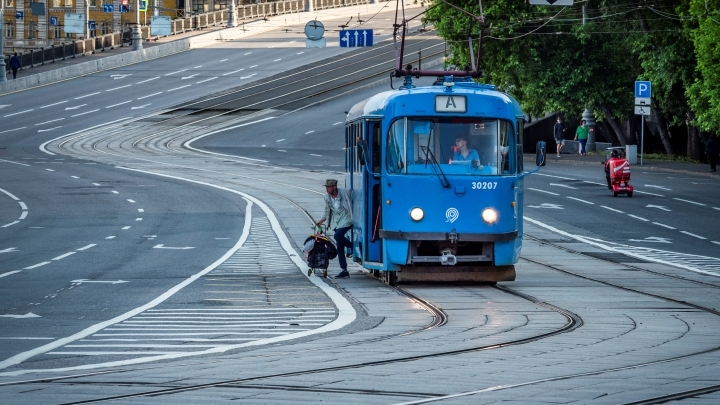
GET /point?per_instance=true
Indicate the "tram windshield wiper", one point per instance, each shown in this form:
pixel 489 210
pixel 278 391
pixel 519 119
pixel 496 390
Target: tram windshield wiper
pixel 430 157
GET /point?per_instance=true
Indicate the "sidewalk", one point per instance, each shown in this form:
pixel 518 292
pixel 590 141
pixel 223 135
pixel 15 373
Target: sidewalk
pixel 596 159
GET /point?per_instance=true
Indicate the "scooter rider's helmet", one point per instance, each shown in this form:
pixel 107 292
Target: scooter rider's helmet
pixel 615 154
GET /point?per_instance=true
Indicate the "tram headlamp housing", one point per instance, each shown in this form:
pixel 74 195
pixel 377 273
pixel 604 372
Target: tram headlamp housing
pixel 489 215
pixel 417 214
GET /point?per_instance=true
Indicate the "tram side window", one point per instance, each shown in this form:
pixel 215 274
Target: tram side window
pixel 396 147
pixel 358 135
pixel 520 130
pixel 504 132
pixel 348 149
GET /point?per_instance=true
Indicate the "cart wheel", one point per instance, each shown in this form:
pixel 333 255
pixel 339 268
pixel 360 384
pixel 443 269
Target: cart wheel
pixel 629 194
pixel 615 194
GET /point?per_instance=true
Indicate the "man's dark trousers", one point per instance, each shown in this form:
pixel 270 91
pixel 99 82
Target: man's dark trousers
pixel 342 243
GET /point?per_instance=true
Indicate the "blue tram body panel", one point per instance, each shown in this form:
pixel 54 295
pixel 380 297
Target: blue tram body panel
pixel 438 178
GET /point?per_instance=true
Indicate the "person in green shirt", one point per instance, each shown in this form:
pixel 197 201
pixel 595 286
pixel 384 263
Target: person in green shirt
pixel 581 134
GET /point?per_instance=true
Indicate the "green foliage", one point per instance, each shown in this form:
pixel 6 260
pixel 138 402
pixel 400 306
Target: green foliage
pixel 704 92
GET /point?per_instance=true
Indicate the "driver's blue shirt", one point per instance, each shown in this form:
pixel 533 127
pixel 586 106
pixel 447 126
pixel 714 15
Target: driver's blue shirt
pixel 471 156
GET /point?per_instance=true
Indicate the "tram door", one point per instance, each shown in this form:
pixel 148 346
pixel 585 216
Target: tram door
pixel 373 193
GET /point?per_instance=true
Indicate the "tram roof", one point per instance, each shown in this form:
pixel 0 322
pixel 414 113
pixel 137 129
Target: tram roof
pixel 377 105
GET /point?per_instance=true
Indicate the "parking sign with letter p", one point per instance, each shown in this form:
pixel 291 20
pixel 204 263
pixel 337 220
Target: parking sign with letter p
pixel 642 89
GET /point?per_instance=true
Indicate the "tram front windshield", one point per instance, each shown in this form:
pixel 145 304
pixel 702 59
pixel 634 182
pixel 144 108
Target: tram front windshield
pixel 460 146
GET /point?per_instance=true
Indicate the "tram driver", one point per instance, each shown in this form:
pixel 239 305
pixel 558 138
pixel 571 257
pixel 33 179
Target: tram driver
pixel 463 152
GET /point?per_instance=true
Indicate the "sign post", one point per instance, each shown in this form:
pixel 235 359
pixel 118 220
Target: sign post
pixel 642 107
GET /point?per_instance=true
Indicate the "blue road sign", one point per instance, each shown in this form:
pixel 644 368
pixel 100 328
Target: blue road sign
pixel 54 21
pixel 642 89
pixel 108 8
pixel 356 38
pixel 19 15
pixel 91 24
pixel 143 5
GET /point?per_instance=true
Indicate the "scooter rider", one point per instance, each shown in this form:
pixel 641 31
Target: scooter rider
pixel 613 155
pixel 339 212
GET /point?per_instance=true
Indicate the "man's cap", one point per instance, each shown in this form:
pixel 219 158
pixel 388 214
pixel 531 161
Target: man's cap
pixel 330 182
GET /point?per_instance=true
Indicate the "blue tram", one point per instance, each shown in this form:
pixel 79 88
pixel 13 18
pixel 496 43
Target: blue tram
pixel 437 179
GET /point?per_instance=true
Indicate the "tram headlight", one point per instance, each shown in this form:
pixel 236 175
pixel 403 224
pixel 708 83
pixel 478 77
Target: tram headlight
pixel 417 214
pixel 489 215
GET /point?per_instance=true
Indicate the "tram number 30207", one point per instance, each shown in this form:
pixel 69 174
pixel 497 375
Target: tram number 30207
pixel 484 185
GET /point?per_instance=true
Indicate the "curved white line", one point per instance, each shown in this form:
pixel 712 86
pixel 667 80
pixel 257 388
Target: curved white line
pixel 44 144
pixel 346 313
pixel 187 143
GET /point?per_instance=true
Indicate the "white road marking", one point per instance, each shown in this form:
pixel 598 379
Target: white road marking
pixel 248 76
pixel 9 250
pixel 660 207
pixel 645 192
pixel 190 77
pixel 141 106
pixel 131 201
pixel 161 246
pixel 234 71
pixel 117 88
pixel 87 247
pixel 28 315
pixel 299 53
pixel 338 123
pixel 543 191
pixel 716 208
pixel 115 105
pixel 76 107
pixel 115 77
pixel 10 224
pixel 21 112
pixel 23 215
pixel 87 95
pixel 692 234
pixel 309 132
pixel 691 202
pixel 141 210
pixel 196 67
pixel 312 154
pixel 87 112
pixel 148 80
pixel 577 199
pixel 555 177
pixel 663 225
pixel 50 170
pixel 181 87
pixel 126 227
pixel 114 192
pixel 172 73
pixel 22 205
pixel 96 184
pixel 17 163
pixel 34 266
pixel 563 185
pixel 660 187
pixel 612 209
pixel 9 194
pixel 277 60
pixel 637 217
pixel 206 80
pixel 47 122
pixel 150 95
pixel 280 150
pixel 138 219
pixel 715 242
pixel 50 105
pixel 280 140
pixel 110 237
pixel 246 53
pixel 223 60
pixel 10 130
pixel 50 129
pixel 546 205
pixel 9 273
pixel 653 239
pixel 99 281
pixel 63 256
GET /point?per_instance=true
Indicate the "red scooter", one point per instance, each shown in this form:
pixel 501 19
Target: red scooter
pixel 617 172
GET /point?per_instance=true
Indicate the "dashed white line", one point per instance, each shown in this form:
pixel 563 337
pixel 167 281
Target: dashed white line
pixel 309 132
pixel 50 105
pixel 277 60
pixel 138 219
pixel 141 210
pixel 637 217
pixel 9 273
pixel 223 60
pixel 280 140
pixel 246 53
pixel 716 208
pixel 299 53
pixel 612 209
pixel 87 247
pixel 556 177
pixel 110 237
pixel 22 205
pixel 130 201
pixel 280 150
pixel 125 227
pixel 577 199
pixel 9 194
pixel 542 191
pixel 149 95
pixel 87 95
pixel 234 71
pixel 653 194
pixel 10 224
pixel 17 163
pixel 172 73
pixel 338 123
pixel 34 266
pixel 692 234
pixel 23 215
pixel 206 80
pixel 181 87
pixel 117 88
pixel 253 66
pixel 115 105
pixel 47 122
pixel 63 256
pixel 663 225
pixel 88 112
pixel 312 154
pixel 96 184
pixel 50 170
pixel 148 80
pixel 10 130
pixel 115 192
pixel 715 242
pixel 688 201
pixel 21 112
pixel 196 67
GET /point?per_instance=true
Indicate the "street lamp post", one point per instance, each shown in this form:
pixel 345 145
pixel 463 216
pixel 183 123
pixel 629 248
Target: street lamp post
pixel 3 72
pixel 231 14
pixel 137 36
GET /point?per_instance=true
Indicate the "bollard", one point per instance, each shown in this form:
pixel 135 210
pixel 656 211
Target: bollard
pixel 31 58
pixel 74 49
pixel 52 52
pixel 63 50
pixel 21 54
pixel 102 39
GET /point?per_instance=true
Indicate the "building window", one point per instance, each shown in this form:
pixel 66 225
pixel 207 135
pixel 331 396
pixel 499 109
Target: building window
pixel 68 3
pixel 56 3
pixel 9 3
pixel 104 27
pixel 32 31
pixel 93 3
pixel 57 32
pixel 9 29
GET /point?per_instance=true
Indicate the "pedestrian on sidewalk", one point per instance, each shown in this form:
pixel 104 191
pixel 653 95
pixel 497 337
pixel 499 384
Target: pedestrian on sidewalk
pixel 559 134
pixel 338 212
pixel 712 152
pixel 581 135
pixel 14 64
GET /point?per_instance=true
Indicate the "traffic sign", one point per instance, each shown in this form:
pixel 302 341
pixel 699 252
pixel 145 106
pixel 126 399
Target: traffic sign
pixel 19 15
pixel 91 24
pixel 143 5
pixel 356 38
pixel 108 8
pixel 642 89
pixel 54 21
pixel 642 101
pixel 642 110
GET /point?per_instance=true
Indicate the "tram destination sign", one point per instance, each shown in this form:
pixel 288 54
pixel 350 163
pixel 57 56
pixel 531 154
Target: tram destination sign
pixel 454 104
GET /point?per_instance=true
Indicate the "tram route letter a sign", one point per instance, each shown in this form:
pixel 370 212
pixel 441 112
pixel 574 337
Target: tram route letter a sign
pixel 356 38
